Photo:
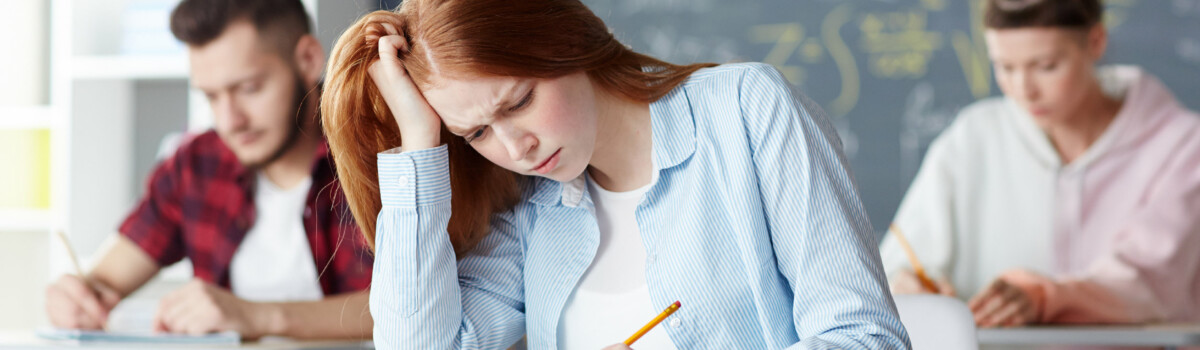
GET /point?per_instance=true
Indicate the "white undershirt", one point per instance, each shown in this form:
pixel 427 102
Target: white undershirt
pixel 612 300
pixel 274 261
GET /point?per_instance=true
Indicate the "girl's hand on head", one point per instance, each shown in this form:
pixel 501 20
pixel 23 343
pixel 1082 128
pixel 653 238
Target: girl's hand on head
pixel 420 126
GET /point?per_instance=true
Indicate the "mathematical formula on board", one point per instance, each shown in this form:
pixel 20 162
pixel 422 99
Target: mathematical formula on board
pixel 891 74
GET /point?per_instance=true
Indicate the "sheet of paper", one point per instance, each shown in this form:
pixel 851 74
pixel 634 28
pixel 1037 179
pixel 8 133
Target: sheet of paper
pixel 223 338
pixel 132 322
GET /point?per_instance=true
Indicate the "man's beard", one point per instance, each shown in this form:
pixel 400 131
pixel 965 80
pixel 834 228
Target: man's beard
pixel 294 129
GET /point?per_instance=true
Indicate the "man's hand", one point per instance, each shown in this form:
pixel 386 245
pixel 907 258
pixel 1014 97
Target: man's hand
pixel 75 303
pixel 200 308
pixel 1003 304
pixel 617 346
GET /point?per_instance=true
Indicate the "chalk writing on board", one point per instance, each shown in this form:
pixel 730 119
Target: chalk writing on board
pixel 789 40
pixel 934 5
pixel 922 122
pixel 843 58
pixel 898 44
pixel 972 53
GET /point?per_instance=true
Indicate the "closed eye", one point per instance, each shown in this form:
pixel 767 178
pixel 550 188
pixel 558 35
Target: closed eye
pixel 476 134
pixel 481 132
pixel 524 102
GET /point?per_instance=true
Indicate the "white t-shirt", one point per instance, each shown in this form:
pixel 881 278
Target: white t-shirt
pixel 612 300
pixel 274 262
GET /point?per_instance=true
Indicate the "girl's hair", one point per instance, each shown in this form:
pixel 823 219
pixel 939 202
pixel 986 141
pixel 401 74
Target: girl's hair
pixel 1070 14
pixel 463 39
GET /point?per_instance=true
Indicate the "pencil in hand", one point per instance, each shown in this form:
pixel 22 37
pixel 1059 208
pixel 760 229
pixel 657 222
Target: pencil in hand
pixel 912 258
pixel 670 310
pixel 70 253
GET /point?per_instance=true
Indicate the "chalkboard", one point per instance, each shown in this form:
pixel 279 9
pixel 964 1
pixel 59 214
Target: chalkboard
pixel 890 73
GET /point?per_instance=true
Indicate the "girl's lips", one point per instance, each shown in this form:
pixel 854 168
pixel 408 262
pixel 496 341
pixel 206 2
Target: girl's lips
pixel 549 164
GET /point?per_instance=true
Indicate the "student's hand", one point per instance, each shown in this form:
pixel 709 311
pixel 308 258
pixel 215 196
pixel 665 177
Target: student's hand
pixel 906 282
pixel 420 126
pixel 201 308
pixel 1002 304
pixel 75 303
pixel 617 346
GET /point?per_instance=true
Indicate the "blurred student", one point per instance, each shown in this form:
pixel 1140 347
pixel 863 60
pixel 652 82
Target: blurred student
pixel 253 203
pixel 1075 198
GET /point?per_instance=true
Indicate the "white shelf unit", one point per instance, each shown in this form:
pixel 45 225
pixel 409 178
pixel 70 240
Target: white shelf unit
pixel 30 117
pixel 128 67
pixel 25 220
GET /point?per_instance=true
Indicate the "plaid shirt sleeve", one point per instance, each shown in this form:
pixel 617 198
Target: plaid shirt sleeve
pixel 155 223
pixel 354 260
pixel 349 269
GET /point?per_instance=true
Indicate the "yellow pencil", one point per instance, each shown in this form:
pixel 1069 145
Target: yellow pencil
pixel 912 257
pixel 70 252
pixel 670 310
pixel 78 268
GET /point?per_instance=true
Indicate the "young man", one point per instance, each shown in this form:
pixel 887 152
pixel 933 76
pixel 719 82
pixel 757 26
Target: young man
pixel 253 202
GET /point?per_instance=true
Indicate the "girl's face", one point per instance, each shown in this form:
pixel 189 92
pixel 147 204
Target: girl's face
pixel 540 127
pixel 1047 71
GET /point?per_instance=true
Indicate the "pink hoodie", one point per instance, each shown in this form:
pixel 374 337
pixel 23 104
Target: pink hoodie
pixel 1127 221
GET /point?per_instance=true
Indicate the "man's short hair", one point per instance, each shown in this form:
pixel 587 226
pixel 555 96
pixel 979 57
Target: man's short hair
pixel 1069 14
pixel 280 23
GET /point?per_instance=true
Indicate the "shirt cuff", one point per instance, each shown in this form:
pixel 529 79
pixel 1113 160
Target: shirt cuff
pixel 415 178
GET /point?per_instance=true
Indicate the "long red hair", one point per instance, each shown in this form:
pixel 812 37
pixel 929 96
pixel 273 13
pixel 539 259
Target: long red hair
pixel 470 38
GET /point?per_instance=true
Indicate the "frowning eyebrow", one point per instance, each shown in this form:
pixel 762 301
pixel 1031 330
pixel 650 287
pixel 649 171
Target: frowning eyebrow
pixel 497 109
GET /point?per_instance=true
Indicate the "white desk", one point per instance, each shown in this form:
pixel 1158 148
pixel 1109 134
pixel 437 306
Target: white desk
pixel 1165 335
pixel 29 340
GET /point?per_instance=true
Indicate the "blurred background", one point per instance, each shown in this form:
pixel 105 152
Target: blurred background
pixel 95 92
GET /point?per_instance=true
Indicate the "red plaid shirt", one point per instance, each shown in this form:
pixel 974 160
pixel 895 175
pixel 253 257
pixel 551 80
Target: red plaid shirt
pixel 200 204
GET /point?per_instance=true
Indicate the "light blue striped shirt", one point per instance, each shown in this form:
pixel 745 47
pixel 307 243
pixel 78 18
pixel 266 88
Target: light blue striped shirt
pixel 754 225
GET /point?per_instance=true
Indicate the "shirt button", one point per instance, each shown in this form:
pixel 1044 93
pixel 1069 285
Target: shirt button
pixel 675 322
pixel 402 180
pixel 652 258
